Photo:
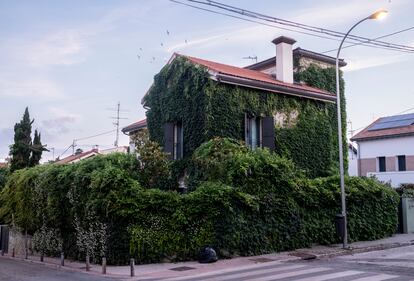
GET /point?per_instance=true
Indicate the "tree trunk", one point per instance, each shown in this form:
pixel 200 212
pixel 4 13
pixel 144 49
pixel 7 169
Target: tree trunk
pixel 88 265
pixel 26 250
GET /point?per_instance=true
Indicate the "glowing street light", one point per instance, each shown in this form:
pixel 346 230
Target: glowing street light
pixel 376 16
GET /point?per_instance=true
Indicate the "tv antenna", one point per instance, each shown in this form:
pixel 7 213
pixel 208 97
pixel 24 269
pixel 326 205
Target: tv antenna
pixel 117 118
pixel 251 58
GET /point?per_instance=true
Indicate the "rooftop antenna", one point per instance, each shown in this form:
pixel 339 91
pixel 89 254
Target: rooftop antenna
pixel 251 58
pixel 116 123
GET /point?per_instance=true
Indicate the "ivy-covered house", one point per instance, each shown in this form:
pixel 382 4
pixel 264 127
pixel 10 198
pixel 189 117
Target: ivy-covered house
pixel 285 103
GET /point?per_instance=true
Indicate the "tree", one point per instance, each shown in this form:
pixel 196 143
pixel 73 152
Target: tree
pixel 25 153
pixel 37 149
pixel 20 150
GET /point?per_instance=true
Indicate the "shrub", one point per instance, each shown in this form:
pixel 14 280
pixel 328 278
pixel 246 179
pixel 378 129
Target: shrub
pixel 52 196
pixel 4 172
pixel 231 162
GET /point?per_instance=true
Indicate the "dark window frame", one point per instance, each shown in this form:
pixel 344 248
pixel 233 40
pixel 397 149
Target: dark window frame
pixel 382 164
pixel 402 163
pixel 178 141
pixel 249 131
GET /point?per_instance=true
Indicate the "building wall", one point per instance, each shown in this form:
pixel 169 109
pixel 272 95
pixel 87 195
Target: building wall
pixel 389 148
pixel 352 163
pixel 386 147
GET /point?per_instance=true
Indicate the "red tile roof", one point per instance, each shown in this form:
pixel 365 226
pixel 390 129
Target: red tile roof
pixel 73 158
pixel 365 134
pixel 253 75
pixel 135 126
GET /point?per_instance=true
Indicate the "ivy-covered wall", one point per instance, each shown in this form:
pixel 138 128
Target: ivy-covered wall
pixel 305 129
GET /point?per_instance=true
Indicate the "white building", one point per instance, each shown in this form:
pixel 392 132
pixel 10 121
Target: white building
pixel 386 149
pixel 352 160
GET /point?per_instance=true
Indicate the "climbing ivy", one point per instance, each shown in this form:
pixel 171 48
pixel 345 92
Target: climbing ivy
pixel 305 129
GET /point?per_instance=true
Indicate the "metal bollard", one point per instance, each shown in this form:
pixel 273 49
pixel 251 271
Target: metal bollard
pixel 2 252
pixel 132 263
pixel 13 252
pixel 88 265
pixel 103 265
pixel 62 259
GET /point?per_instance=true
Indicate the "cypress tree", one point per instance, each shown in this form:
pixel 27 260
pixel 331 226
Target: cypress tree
pixel 20 150
pixel 37 149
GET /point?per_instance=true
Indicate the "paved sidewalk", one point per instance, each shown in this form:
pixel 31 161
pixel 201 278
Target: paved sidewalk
pixel 181 269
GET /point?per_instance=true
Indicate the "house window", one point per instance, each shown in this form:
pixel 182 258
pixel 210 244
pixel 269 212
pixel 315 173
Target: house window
pixel 254 132
pixel 173 140
pixel 178 141
pixel 401 163
pixel 381 164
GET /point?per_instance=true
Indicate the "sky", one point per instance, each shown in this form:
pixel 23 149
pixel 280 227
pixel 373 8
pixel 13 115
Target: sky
pixel 70 62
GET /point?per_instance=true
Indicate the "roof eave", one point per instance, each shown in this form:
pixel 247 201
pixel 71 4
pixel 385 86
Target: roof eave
pixel 360 139
pixel 234 80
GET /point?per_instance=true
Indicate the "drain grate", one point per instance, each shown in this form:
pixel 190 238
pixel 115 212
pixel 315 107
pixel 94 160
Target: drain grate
pixel 262 260
pixel 182 268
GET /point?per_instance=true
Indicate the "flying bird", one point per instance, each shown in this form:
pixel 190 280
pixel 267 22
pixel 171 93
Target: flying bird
pixel 138 56
pixel 186 41
pixel 168 33
pixel 162 44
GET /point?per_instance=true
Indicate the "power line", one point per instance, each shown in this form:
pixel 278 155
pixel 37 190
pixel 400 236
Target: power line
pixel 311 30
pixel 73 144
pixel 97 135
pixel 253 21
pixel 249 13
pixel 380 37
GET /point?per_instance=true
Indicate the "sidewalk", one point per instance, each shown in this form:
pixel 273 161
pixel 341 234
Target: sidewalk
pixel 180 269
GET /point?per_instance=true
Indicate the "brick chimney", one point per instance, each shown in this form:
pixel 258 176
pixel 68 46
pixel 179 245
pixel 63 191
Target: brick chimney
pixel 284 58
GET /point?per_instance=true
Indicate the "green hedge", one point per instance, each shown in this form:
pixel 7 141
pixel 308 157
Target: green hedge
pixel 254 202
pixel 58 193
pixel 243 203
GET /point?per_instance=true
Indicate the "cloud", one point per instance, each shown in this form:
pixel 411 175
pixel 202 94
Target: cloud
pixel 61 48
pixel 372 61
pixel 61 124
pixel 68 46
pixel 29 87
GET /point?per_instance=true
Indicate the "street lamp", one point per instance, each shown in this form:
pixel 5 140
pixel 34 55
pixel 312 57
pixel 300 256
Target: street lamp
pixel 376 16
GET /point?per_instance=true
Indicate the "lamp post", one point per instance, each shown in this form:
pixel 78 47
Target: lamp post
pixel 377 15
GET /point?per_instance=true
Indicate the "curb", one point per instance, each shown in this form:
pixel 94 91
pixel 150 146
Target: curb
pixel 65 268
pixel 351 251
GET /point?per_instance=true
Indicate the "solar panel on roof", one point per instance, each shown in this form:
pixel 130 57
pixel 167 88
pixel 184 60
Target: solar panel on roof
pixel 393 122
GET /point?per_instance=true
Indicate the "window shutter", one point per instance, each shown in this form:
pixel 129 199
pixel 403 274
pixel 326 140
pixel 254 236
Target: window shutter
pixel 246 129
pixel 169 139
pixel 268 132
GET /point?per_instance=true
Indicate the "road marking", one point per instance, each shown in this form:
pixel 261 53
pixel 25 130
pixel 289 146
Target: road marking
pixel 290 274
pixel 331 276
pixel 379 277
pixel 235 273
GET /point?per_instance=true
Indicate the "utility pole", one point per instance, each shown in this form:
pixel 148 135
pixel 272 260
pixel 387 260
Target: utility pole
pixel 73 146
pixel 116 123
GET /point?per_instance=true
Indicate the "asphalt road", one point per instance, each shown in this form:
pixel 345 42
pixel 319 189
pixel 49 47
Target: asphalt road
pixel 389 265
pixel 17 270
